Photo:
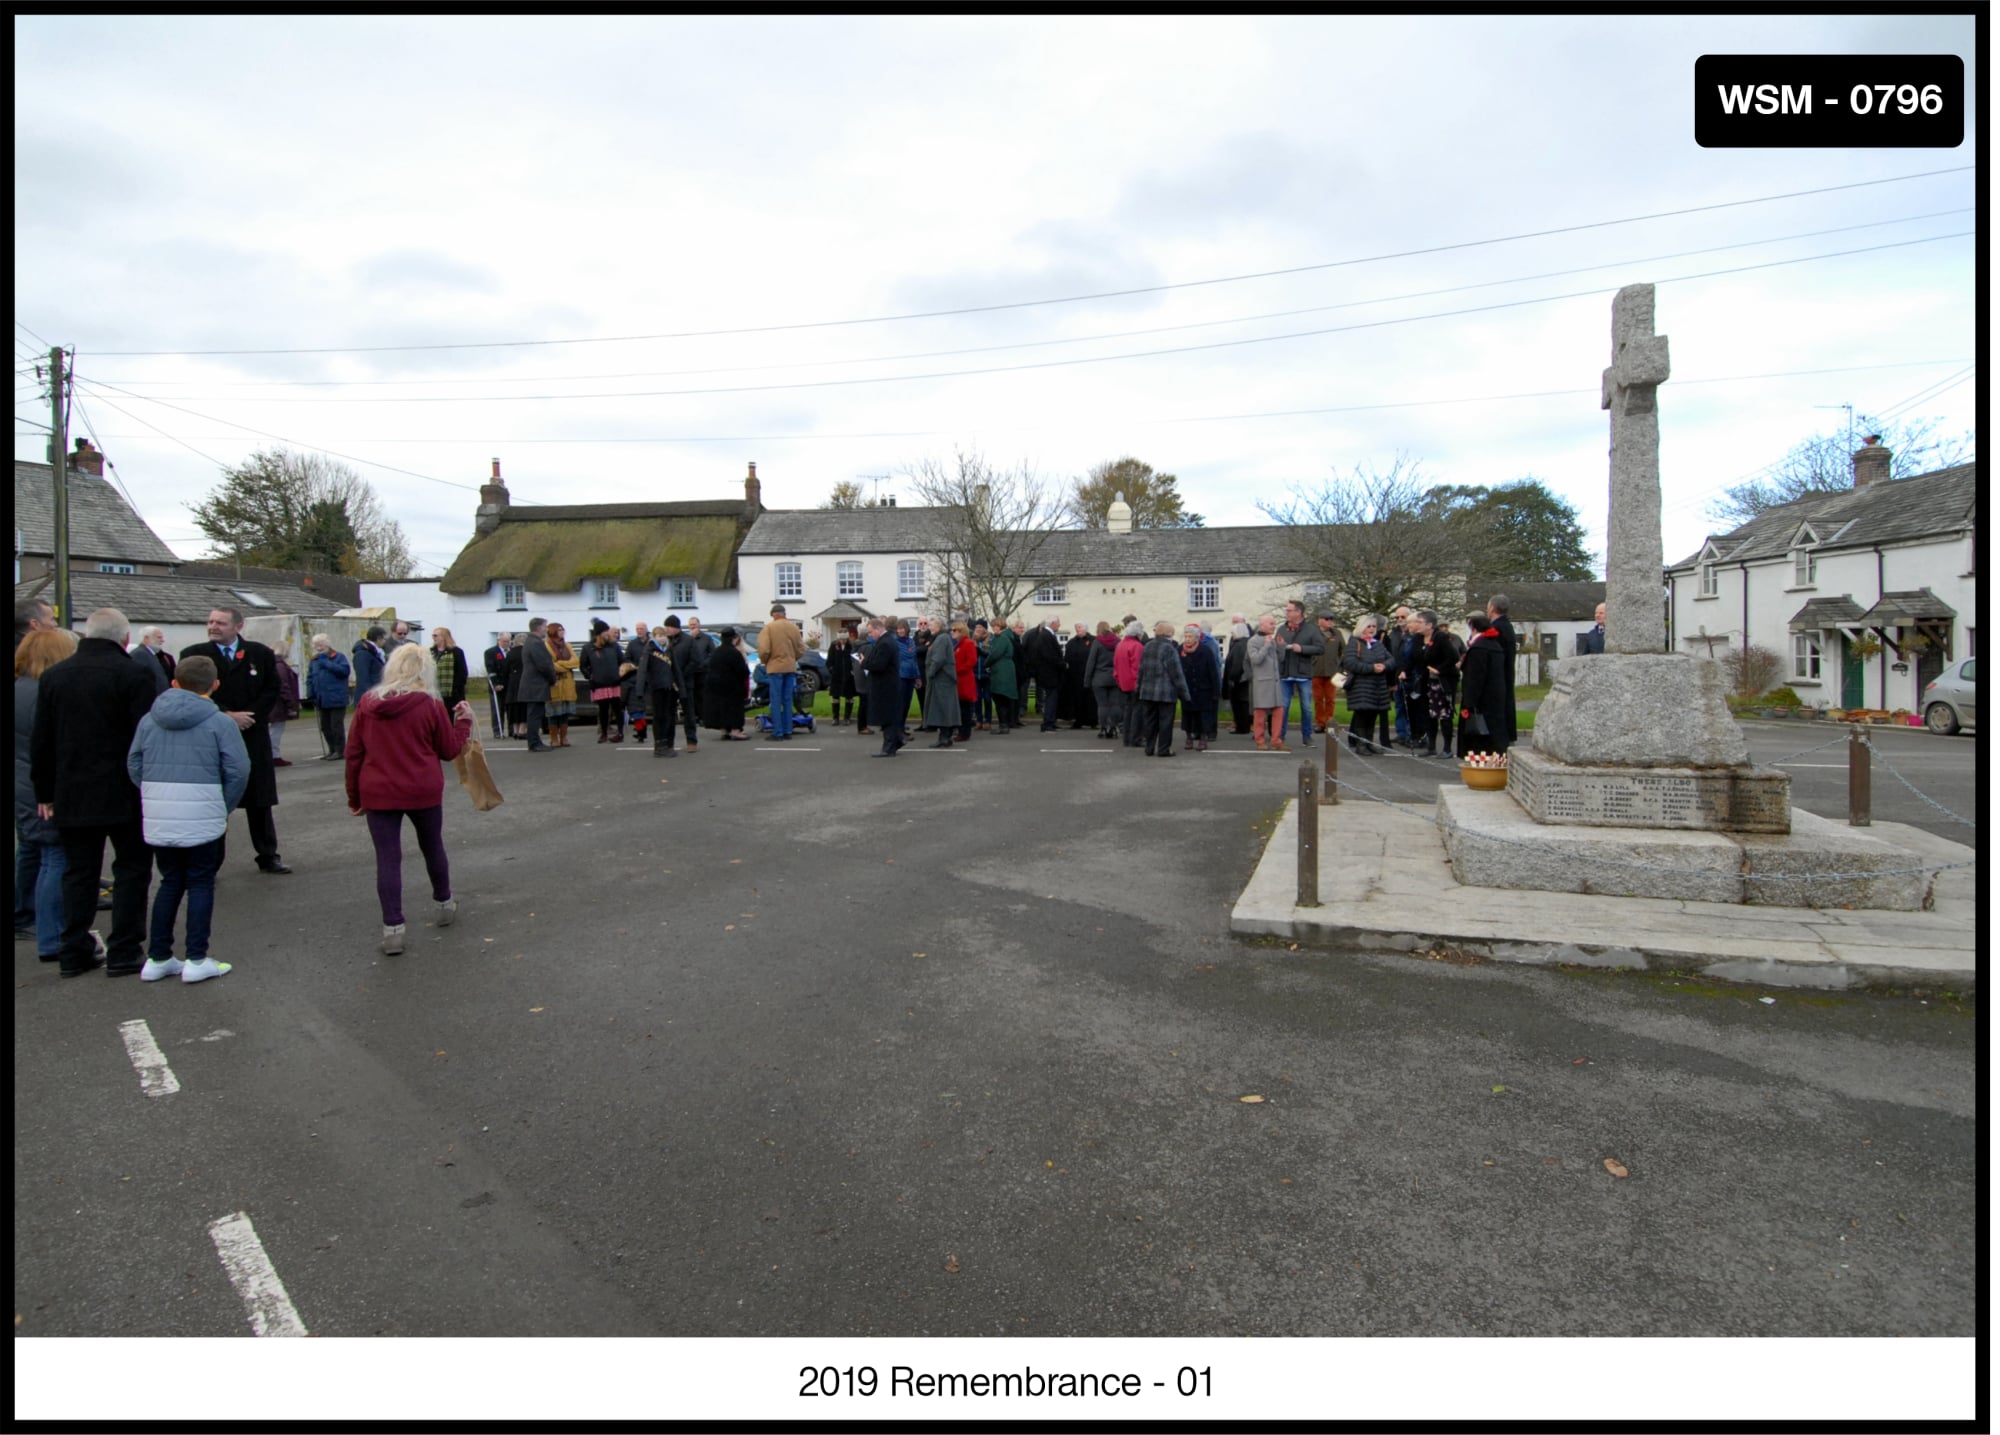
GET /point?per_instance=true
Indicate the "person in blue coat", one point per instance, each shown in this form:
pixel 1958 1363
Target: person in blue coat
pixel 326 685
pixel 907 669
pixel 369 657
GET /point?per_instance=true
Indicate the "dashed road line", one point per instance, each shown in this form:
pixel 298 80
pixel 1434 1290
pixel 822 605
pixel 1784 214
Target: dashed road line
pixel 256 1280
pixel 156 1078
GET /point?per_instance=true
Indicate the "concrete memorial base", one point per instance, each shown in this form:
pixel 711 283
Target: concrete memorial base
pixel 1492 843
pixel 1695 799
pixel 1639 710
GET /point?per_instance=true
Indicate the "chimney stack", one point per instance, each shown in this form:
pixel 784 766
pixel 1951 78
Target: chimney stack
pixel 87 459
pixel 1871 461
pixel 492 502
pixel 1118 519
pixel 753 495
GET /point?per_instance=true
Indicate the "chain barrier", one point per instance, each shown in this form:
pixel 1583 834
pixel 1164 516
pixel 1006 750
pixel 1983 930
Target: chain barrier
pixel 1606 862
pixel 1964 822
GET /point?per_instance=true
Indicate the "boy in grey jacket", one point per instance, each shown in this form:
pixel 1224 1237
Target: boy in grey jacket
pixel 191 768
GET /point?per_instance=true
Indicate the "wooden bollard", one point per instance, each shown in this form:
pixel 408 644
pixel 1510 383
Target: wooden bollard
pixel 1329 791
pixel 1860 780
pixel 1308 835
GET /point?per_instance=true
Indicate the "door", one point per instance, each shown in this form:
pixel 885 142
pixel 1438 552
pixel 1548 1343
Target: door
pixel 1850 675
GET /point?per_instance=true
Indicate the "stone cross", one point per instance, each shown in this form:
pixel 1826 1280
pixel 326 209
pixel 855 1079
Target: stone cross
pixel 1635 618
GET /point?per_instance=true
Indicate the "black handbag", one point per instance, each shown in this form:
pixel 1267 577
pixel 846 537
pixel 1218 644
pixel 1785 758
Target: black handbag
pixel 1475 726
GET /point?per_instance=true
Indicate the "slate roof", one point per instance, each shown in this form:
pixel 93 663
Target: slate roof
pixel 785 531
pixel 147 598
pixel 554 547
pixel 102 525
pixel 1899 510
pixel 1841 612
pixel 1551 602
pixel 1905 608
pixel 342 589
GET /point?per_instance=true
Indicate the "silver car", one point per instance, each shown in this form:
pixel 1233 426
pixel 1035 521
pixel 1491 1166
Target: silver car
pixel 1951 700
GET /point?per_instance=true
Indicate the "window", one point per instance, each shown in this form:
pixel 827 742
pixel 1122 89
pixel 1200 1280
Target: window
pixel 847 580
pixel 116 568
pixel 791 580
pixel 253 599
pixel 1804 568
pixel 910 578
pixel 1318 596
pixel 680 594
pixel 1805 658
pixel 1709 586
pixel 513 595
pixel 603 594
pixel 1204 594
pixel 1052 593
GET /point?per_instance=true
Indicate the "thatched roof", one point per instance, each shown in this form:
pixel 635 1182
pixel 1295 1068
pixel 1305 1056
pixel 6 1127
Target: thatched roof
pixel 553 549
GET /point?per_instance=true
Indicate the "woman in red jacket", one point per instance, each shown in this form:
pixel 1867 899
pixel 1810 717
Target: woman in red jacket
pixel 401 734
pixel 1125 667
pixel 965 659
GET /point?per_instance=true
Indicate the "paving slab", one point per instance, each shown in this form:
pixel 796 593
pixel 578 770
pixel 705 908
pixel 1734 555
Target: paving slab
pixel 1374 855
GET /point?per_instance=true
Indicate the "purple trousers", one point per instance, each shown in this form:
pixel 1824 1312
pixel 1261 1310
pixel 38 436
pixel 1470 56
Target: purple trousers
pixel 386 828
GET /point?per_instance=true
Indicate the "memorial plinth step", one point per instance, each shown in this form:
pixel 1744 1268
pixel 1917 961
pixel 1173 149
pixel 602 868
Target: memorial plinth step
pixel 1492 842
pixel 1686 799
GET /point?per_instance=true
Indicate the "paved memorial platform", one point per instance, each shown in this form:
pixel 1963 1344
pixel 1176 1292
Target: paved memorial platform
pixel 1387 885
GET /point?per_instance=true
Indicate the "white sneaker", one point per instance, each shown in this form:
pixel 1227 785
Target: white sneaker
pixel 153 970
pixel 202 970
pixel 392 940
pixel 447 911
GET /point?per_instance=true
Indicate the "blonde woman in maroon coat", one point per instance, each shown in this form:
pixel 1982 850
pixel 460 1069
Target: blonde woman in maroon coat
pixel 396 748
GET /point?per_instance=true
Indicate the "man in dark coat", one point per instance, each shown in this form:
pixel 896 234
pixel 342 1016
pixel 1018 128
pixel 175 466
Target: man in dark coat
pixel 661 683
pixel 881 673
pixel 369 659
pixel 248 692
pixel 635 691
pixel 1236 676
pixel 496 678
pixel 530 685
pixel 87 709
pixel 1510 644
pixel 691 650
pixel 1077 703
pixel 1593 641
pixel 151 661
pixel 1045 663
pixel 1485 691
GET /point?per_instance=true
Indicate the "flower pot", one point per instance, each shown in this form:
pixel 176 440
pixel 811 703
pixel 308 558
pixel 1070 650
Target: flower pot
pixel 1484 779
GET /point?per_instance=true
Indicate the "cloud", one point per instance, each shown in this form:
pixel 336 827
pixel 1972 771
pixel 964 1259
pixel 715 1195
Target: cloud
pixel 401 270
pixel 1256 177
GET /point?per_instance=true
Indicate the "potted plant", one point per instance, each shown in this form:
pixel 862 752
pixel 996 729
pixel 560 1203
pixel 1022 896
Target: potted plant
pixel 1864 647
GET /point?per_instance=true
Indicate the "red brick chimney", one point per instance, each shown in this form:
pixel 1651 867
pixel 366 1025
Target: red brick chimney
pixel 492 502
pixel 753 495
pixel 1871 461
pixel 87 459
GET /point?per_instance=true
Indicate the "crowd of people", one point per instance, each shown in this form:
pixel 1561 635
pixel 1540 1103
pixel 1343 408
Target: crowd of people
pixel 119 744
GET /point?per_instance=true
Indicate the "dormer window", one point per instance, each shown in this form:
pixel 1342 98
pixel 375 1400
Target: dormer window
pixel 1805 565
pixel 1705 571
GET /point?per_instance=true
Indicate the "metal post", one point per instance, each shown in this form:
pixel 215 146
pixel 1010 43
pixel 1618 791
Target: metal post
pixel 59 466
pixel 1329 792
pixel 1308 836
pixel 1860 797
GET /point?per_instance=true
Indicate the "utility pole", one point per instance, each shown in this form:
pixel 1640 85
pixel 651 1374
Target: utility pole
pixel 59 465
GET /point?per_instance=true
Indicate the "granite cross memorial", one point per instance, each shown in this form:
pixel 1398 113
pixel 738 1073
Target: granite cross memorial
pixel 1635 615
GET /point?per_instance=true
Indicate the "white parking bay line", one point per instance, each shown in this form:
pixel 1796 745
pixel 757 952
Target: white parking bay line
pixel 156 1078
pixel 270 1310
pixel 789 749
pixel 1078 751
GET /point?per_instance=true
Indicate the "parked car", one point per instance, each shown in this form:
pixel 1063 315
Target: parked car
pixel 1951 699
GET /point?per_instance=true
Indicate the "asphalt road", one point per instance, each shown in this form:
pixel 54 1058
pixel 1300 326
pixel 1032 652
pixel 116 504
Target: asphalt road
pixel 781 1040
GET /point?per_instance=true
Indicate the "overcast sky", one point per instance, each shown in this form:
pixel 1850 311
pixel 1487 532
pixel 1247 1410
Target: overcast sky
pixel 356 183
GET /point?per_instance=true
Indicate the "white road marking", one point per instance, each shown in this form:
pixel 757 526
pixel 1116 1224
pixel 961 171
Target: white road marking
pixel 270 1310
pixel 1838 766
pixel 789 749
pixel 156 1078
pixel 1078 751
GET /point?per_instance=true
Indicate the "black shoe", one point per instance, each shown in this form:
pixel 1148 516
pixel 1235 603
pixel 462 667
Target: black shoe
pixel 663 752
pixel 24 934
pixel 111 971
pixel 104 897
pixel 84 971
pixel 274 869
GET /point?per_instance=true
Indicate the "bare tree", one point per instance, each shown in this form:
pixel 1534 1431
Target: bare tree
pixel 987 526
pixel 1374 539
pixel 1824 463
pixel 846 494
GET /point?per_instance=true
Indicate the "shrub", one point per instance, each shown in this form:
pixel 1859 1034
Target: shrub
pixel 1752 669
pixel 1782 698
